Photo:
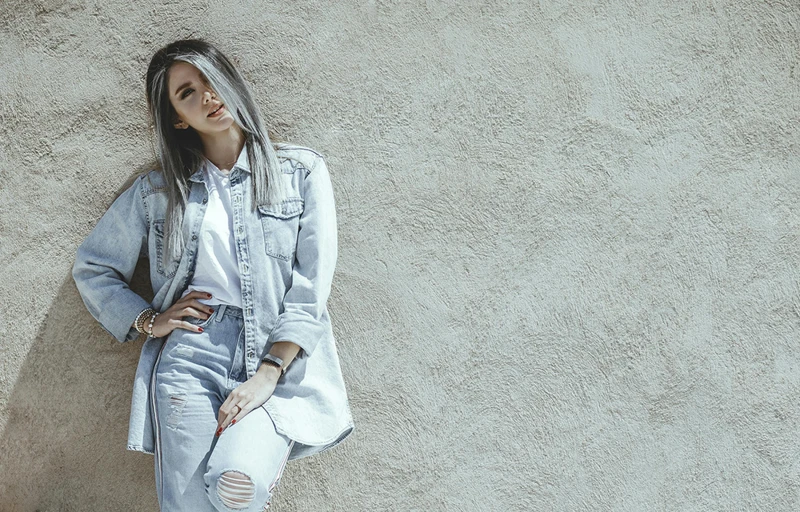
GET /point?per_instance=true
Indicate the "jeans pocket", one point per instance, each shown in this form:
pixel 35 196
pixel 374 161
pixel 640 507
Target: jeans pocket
pixel 199 321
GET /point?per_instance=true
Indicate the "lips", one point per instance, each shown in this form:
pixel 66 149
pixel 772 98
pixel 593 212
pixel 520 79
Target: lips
pixel 215 110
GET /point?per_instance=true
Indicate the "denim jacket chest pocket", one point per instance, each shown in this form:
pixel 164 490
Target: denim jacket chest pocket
pixel 165 267
pixel 280 223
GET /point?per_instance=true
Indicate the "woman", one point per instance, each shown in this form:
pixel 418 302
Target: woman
pixel 239 372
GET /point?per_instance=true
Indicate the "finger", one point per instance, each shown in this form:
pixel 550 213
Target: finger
pixel 225 415
pixel 225 411
pixel 183 324
pixel 192 296
pixel 241 414
pixel 196 304
pixel 197 313
pixel 235 414
pixel 228 408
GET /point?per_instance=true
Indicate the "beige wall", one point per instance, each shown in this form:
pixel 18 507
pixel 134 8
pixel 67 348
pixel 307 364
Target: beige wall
pixel 568 272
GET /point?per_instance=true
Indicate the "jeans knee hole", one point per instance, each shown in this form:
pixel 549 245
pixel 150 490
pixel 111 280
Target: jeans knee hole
pixel 236 490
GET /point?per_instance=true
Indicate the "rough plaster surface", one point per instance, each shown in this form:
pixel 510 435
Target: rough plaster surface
pixel 568 274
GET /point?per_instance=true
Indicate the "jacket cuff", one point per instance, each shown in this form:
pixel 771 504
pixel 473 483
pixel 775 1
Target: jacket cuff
pixel 300 329
pixel 119 314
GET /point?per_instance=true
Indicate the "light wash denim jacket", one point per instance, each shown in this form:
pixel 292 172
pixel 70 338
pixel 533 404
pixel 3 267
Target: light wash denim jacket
pixel 286 253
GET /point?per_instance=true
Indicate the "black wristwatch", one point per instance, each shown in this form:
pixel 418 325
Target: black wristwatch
pixel 274 361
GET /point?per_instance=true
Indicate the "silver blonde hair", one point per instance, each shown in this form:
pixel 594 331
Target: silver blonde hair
pixel 180 152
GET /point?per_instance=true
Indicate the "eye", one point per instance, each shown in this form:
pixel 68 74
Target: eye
pixel 186 92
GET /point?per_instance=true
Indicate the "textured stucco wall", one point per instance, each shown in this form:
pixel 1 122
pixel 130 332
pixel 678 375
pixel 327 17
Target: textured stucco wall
pixel 568 274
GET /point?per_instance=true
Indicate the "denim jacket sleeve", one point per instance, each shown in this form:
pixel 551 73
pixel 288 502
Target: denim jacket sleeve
pixel 105 262
pixel 305 301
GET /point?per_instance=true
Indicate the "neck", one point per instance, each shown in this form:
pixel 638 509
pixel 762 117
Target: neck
pixel 223 148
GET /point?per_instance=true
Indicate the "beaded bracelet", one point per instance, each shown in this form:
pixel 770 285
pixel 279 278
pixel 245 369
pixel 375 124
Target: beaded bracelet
pixel 141 318
pixel 150 326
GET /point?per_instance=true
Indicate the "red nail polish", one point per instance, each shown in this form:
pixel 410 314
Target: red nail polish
pixel 233 421
pixel 219 431
pixel 201 329
pixel 211 310
pixel 208 295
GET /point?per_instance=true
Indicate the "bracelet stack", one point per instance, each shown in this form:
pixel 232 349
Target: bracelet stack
pixel 150 327
pixel 146 317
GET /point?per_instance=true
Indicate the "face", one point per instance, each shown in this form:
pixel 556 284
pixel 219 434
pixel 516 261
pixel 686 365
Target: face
pixel 193 100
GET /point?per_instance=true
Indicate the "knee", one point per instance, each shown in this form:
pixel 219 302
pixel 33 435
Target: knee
pixel 235 490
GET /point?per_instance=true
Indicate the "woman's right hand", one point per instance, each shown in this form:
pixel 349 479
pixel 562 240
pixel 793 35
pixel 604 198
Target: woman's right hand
pixel 188 305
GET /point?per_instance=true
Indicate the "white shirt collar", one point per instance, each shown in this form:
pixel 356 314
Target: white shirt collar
pixel 242 162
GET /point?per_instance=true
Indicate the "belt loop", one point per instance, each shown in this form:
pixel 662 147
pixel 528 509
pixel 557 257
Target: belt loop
pixel 221 311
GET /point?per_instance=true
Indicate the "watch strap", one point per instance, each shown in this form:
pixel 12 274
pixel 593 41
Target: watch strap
pixel 273 360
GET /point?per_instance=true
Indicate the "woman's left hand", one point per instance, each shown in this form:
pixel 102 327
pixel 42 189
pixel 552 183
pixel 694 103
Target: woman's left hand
pixel 247 396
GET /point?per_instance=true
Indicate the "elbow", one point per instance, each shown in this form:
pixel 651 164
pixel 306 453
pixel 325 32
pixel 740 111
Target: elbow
pixel 76 272
pixel 79 274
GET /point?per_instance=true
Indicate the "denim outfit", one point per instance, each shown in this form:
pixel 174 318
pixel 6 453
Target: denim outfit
pixel 193 377
pixel 286 254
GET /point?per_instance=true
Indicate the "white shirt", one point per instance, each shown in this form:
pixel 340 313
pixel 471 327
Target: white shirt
pixel 217 268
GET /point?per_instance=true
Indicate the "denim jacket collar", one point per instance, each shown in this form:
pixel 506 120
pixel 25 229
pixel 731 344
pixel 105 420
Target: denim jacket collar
pixel 242 163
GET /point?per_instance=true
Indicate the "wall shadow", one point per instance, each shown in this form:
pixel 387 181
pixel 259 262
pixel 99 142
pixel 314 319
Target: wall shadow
pixel 65 440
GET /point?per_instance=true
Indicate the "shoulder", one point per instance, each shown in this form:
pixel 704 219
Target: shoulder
pixel 151 181
pixel 297 156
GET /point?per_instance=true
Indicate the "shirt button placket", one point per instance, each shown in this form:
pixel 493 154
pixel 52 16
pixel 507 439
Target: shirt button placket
pixel 250 350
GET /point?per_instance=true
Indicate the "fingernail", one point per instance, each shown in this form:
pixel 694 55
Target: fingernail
pixel 201 329
pixel 233 421
pixel 219 431
pixel 208 295
pixel 211 310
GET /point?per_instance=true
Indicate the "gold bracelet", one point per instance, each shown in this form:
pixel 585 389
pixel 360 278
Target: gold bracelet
pixel 142 319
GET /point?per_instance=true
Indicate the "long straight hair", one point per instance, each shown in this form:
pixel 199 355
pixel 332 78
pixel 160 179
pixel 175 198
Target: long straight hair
pixel 180 152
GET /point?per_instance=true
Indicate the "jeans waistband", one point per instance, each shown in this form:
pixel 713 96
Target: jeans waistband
pixel 221 310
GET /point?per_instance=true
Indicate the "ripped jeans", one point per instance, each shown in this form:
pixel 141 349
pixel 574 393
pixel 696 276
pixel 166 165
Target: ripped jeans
pixel 195 470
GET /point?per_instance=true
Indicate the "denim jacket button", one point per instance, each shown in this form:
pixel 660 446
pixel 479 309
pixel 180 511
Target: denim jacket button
pixel 205 200
pixel 194 237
